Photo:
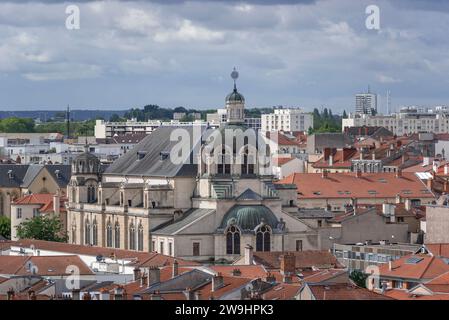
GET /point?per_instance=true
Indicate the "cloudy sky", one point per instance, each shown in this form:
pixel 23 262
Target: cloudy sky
pixel 172 52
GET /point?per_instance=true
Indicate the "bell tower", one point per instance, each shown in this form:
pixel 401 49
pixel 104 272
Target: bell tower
pixel 235 103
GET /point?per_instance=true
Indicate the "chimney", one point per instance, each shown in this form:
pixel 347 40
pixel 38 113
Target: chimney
pixel 426 161
pixel 408 203
pixel 137 273
pixel 399 173
pixel 358 173
pixel 446 187
pixel 446 169
pixel 324 174
pixel 398 198
pixel 189 293
pixel 331 160
pixel 249 250
pixel 374 156
pixel 31 295
pixel 287 279
pixel 10 294
pixel 386 209
pixel 154 275
pixel 56 203
pixel 429 184
pixel 390 265
pixel 270 278
pixel 327 153
pixel 217 282
pixel 175 268
pixel 288 263
pixel 75 294
pixel 144 280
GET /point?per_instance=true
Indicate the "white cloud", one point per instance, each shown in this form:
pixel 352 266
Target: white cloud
pixel 187 31
pixel 387 79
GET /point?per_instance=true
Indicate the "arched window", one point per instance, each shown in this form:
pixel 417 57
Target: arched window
pixel 140 238
pixel 117 235
pixel 233 240
pixel 132 237
pixel 109 234
pixel 91 194
pixel 73 233
pixel 87 232
pixel 263 238
pixel 95 233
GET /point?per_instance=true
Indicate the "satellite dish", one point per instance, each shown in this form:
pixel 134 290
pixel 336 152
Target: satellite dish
pixel 99 258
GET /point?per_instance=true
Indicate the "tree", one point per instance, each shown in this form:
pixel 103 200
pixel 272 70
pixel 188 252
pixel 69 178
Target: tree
pixel 5 227
pixel 45 227
pixel 17 125
pixel 345 115
pixel 115 118
pixel 359 278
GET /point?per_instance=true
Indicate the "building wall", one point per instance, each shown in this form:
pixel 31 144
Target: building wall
pixel 437 224
pixel 27 213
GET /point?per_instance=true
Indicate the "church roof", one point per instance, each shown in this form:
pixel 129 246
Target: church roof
pixel 249 217
pixel 173 227
pixel 147 157
pixel 249 194
pixel 235 96
pixel 23 175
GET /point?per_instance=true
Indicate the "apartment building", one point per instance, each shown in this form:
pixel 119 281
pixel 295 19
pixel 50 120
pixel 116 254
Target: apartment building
pixel 287 120
pixel 405 122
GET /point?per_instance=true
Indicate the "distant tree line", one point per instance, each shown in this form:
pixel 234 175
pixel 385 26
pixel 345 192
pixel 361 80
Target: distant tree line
pixel 155 112
pixel 27 125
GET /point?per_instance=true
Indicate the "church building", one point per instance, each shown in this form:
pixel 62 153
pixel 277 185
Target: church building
pixel 193 192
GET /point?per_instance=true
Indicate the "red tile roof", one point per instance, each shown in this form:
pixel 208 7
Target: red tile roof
pixel 45 265
pixel 428 267
pixel 304 259
pixel 344 292
pixel 347 185
pixel 405 295
pixel 282 291
pixel 144 259
pixel 43 199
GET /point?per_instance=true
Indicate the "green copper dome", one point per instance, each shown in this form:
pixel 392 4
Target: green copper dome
pixel 249 217
pixel 235 96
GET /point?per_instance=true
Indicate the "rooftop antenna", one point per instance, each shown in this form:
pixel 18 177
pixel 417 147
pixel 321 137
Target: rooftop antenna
pixel 235 76
pixel 369 89
pixel 68 121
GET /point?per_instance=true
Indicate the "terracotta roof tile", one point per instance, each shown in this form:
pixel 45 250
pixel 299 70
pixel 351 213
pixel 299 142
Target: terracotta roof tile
pixel 45 265
pixel 347 185
pixel 344 292
pixel 428 267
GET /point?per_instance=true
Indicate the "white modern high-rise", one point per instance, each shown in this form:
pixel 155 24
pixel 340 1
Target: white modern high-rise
pixel 287 120
pixel 366 103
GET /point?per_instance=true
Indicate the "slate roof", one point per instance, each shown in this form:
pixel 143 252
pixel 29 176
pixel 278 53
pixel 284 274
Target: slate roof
pixel 192 279
pixel 313 214
pixel 189 217
pixel 23 175
pixel 151 164
pixel 249 194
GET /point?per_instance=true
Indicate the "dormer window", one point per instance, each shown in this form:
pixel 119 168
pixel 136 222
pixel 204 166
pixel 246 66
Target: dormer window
pixel 58 174
pixel 141 155
pixel 164 155
pixel 10 174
